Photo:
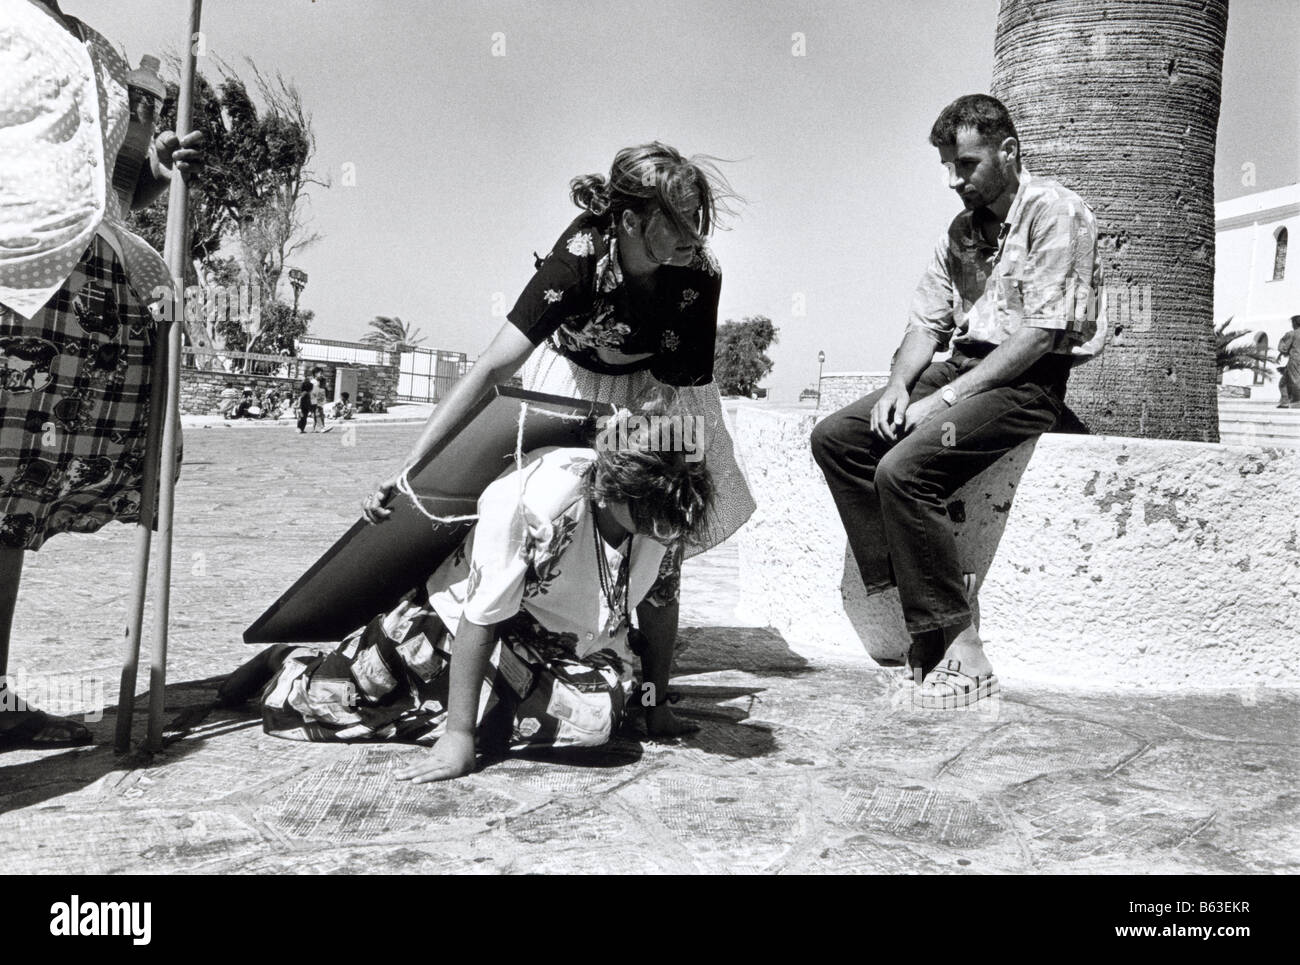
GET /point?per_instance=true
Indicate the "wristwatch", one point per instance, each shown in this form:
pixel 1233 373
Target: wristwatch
pixel 948 395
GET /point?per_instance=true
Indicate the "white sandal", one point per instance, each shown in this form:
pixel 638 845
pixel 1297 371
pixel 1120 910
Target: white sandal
pixel 946 687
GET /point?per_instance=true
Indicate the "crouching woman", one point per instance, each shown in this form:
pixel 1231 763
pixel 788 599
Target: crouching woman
pixel 522 637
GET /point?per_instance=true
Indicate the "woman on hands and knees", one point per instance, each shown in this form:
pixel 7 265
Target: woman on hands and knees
pixel 523 636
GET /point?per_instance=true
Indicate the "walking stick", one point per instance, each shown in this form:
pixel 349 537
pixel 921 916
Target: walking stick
pixel 143 537
pixel 160 457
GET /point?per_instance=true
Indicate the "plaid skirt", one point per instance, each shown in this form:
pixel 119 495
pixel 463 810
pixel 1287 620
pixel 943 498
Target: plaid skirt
pixel 390 681
pixel 74 405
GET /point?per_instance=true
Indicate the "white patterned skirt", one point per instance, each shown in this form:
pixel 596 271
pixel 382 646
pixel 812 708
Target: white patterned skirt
pixel 548 371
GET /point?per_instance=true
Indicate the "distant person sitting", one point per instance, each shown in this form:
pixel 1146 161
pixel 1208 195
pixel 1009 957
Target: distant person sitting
pixel 229 401
pixel 244 408
pixel 254 408
pixel 343 408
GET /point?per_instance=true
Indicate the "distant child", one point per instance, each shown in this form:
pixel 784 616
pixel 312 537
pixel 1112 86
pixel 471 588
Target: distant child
pixel 317 406
pixel 304 404
pixel 344 409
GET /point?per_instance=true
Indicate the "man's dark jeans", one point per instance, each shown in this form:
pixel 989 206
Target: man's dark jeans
pixel 892 497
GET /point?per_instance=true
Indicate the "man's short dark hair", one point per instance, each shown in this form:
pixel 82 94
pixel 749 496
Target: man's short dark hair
pixel 985 114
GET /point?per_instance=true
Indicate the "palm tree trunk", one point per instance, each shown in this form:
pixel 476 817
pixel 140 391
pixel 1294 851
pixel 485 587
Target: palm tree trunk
pixel 1119 100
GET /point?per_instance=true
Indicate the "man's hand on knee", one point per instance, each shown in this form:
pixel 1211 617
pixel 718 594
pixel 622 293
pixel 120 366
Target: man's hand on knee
pixel 922 411
pixel 888 414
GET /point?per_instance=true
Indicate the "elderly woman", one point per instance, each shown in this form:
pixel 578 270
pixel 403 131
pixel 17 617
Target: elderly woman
pixel 523 636
pixel 625 305
pixel 76 336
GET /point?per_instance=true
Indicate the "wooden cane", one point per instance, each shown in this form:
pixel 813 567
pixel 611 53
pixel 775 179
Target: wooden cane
pixel 143 539
pixel 177 254
pixel 149 482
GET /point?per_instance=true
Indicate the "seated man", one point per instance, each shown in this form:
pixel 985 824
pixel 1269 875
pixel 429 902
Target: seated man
pixel 1013 287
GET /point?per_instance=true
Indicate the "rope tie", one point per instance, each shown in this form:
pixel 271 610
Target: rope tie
pixel 404 487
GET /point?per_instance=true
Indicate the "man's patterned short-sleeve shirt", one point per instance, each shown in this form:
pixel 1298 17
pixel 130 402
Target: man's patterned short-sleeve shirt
pixel 1044 272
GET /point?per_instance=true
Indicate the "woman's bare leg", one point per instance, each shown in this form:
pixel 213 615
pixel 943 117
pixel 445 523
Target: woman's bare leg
pixel 11 571
pixel 56 729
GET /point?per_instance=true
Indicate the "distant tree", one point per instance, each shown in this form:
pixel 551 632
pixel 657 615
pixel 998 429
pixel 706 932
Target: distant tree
pixel 278 334
pixel 391 333
pixel 739 359
pixel 251 201
pixel 1237 356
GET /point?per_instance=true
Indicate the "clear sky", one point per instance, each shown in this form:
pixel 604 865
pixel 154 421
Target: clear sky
pixel 464 122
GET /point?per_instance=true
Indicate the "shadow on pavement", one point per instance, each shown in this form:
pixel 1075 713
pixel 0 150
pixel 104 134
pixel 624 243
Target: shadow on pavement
pixel 29 777
pixel 721 709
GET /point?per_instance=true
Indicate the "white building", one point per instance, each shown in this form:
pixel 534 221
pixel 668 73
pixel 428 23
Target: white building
pixel 1257 273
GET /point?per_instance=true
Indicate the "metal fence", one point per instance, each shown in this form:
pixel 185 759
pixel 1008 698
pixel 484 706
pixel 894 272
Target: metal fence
pixel 333 350
pixel 424 374
pixel 427 374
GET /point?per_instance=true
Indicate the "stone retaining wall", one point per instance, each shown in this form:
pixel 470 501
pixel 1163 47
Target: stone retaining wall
pixel 1123 563
pixel 841 388
pixel 201 389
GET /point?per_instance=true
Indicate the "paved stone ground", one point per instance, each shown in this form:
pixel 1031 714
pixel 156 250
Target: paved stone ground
pixel 801 764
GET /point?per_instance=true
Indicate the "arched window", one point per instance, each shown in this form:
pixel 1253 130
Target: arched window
pixel 1279 258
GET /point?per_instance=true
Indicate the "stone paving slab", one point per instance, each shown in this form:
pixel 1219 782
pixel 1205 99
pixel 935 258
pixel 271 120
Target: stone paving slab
pixel 802 764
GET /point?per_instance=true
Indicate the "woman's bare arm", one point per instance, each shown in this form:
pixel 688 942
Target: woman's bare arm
pixel 453 755
pixel 502 359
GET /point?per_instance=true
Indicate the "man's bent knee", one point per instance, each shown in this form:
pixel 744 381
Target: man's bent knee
pixel 893 474
pixel 827 440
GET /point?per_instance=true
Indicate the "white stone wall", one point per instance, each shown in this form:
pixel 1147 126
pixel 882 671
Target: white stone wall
pixel 1124 563
pixel 841 388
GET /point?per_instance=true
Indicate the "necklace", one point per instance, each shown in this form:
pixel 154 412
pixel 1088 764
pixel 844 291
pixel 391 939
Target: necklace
pixel 613 587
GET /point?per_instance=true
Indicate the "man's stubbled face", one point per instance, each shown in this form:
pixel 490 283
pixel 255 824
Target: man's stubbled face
pixel 977 171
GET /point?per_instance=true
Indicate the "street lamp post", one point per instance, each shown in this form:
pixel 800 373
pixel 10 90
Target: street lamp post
pixel 298 279
pixel 821 361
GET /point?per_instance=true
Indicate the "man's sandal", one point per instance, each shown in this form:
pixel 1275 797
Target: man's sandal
pixel 947 688
pixel 41 731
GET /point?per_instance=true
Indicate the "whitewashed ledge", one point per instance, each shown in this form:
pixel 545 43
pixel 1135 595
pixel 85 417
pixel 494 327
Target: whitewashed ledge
pixel 1122 564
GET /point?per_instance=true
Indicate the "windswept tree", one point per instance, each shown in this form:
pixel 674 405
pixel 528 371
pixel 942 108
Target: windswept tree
pixel 248 212
pixel 1120 102
pixel 740 361
pixel 391 333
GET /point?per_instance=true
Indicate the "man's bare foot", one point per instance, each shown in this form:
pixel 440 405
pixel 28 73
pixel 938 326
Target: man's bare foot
pixel 968 648
pixel 662 722
pixel 451 757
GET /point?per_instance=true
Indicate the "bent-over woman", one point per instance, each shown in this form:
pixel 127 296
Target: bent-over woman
pixel 624 306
